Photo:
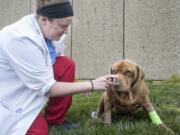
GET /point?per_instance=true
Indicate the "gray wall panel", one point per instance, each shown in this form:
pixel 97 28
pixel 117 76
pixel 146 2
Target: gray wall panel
pixel 97 36
pixel 151 33
pixel 12 10
pixel 177 39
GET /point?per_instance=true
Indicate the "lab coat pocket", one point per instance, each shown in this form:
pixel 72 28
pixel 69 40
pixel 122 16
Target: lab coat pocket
pixel 4 114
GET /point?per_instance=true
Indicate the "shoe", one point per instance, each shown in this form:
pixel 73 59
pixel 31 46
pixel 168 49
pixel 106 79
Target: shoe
pixel 94 115
pixel 69 125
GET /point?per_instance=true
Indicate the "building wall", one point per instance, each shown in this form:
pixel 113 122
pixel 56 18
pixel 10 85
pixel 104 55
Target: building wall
pixel 152 30
pixel 11 10
pixel 102 32
pixel 97 36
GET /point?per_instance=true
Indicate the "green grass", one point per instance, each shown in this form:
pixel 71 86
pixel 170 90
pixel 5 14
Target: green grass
pixel 166 98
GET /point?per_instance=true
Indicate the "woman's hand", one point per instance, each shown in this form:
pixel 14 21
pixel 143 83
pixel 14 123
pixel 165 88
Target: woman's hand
pixel 103 82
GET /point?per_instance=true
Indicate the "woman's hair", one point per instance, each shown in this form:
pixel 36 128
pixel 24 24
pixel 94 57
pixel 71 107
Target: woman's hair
pixel 56 12
pixel 42 3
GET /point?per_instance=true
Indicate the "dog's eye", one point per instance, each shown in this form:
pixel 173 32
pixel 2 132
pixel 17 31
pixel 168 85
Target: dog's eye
pixel 128 73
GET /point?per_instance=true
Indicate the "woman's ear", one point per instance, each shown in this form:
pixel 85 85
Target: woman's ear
pixel 43 20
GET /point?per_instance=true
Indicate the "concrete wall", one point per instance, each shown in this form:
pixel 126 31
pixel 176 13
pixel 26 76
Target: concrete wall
pixel 97 36
pixel 105 31
pixel 152 30
pixel 11 10
pixel 147 32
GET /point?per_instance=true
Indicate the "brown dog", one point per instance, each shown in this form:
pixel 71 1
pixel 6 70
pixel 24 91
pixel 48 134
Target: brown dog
pixel 127 95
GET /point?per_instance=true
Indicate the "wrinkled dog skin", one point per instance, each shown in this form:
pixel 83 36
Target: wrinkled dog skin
pixel 128 94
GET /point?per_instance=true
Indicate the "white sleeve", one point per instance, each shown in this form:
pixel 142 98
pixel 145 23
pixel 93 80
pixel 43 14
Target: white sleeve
pixel 30 64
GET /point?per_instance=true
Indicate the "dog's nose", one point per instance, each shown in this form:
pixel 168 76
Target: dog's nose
pixel 116 81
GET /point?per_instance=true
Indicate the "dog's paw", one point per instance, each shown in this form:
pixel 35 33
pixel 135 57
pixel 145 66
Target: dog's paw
pixel 94 115
pixel 167 128
pixel 107 124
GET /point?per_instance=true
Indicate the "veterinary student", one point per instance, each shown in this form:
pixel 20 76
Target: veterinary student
pixel 26 72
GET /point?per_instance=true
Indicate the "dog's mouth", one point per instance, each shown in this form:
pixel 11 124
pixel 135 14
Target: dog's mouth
pixel 118 85
pixel 116 82
pixel 125 93
pixel 120 90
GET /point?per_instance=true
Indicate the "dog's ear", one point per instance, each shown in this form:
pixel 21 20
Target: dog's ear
pixel 139 78
pixel 141 74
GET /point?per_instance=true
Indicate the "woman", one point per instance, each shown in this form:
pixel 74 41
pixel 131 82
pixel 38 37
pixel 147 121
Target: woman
pixel 26 74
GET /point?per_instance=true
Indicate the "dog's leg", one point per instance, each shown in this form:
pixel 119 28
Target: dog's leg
pixel 149 108
pixel 107 112
pixel 147 105
pixel 100 109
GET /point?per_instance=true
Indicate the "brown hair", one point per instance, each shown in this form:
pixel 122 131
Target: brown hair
pixel 42 3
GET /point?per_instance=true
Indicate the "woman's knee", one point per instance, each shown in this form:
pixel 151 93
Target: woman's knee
pixel 66 61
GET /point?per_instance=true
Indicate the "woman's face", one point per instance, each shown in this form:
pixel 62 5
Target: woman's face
pixel 55 28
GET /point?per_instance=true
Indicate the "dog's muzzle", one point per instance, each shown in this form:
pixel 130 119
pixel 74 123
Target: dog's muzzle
pixel 116 81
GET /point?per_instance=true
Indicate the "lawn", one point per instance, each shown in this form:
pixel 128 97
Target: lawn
pixel 164 94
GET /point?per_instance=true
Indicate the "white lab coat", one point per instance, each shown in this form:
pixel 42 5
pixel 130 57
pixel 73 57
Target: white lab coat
pixel 26 75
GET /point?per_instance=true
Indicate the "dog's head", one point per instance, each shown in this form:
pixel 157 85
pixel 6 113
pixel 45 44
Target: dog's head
pixel 129 75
